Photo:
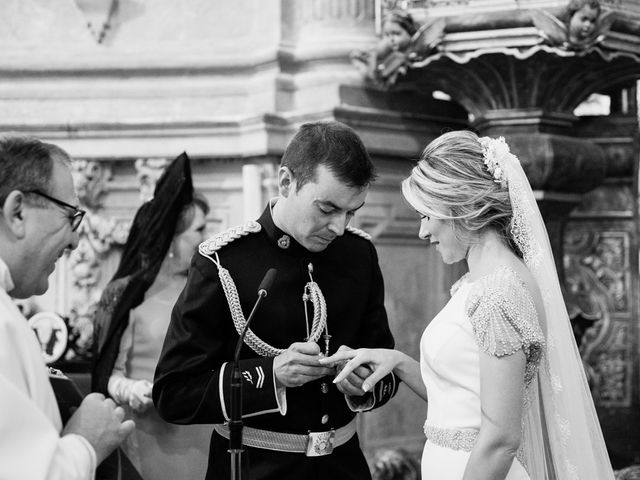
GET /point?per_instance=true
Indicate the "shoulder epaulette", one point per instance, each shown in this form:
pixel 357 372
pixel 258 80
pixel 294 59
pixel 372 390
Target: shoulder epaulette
pixel 221 239
pixel 360 233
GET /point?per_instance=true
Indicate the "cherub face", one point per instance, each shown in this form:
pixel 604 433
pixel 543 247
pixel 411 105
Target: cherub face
pixel 396 36
pixel 583 23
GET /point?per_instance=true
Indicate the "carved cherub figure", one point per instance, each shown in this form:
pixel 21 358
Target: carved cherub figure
pixel 583 19
pixel 403 42
pixel 580 27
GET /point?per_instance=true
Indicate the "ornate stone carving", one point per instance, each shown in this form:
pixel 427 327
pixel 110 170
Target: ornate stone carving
pixel 579 27
pixel 599 259
pixel 99 15
pixel 543 80
pixel 403 42
pixel 90 179
pixel 499 62
pixel 149 171
pixel 598 282
pixel 98 235
pixel 608 264
pixel 614 377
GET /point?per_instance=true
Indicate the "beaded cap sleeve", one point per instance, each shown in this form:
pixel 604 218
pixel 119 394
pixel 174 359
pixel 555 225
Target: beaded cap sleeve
pixel 504 318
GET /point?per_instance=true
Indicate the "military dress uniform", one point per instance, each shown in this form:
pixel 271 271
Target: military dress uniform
pixel 193 375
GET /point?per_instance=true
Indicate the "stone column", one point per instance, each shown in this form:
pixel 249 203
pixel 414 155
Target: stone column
pixel 251 191
pixel 313 56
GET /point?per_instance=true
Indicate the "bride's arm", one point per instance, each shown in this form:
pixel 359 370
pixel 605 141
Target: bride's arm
pixel 381 361
pixel 408 370
pixel 501 397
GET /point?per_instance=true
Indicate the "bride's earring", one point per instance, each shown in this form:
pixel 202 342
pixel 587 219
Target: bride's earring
pixel 172 246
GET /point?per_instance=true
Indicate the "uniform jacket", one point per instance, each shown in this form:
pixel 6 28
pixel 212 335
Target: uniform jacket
pixel 192 376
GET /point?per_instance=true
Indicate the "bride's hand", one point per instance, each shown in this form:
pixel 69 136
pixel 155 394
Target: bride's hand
pixel 381 361
pixel 351 385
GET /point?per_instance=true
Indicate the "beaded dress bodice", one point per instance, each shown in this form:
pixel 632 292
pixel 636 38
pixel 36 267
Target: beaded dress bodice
pixel 495 314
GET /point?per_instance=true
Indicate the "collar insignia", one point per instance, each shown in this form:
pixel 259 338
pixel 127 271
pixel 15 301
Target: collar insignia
pixel 284 242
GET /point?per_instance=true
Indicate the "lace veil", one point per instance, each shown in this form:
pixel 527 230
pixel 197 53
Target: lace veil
pixel 562 439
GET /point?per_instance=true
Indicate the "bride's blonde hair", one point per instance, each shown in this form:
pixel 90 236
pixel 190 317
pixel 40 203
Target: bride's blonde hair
pixel 452 182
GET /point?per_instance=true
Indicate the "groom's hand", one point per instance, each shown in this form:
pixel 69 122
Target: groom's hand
pixel 299 364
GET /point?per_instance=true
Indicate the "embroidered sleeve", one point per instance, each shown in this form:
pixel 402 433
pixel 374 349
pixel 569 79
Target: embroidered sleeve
pixel 505 320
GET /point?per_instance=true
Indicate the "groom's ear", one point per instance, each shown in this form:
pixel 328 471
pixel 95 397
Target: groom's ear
pixel 286 182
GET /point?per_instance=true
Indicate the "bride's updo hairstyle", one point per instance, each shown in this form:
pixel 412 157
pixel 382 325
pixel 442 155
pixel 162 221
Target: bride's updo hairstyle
pixel 452 182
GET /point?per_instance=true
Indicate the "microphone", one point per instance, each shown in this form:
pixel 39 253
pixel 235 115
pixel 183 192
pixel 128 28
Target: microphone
pixel 235 423
pixel 267 282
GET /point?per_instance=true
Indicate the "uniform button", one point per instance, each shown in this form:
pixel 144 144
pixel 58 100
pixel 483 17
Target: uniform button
pixel 324 388
pixel 324 419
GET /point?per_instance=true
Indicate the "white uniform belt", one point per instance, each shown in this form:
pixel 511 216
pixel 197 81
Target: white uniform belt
pixel 313 443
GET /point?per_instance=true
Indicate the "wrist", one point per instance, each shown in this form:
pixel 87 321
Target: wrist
pixel 400 362
pixel 119 388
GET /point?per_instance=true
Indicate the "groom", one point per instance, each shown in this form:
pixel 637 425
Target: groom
pixel 329 287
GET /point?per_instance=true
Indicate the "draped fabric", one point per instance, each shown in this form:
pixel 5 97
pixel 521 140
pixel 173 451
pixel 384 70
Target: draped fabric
pixel 562 439
pixel 147 245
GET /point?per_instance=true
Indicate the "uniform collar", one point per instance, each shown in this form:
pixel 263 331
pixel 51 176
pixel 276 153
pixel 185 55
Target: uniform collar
pixel 6 282
pixel 279 238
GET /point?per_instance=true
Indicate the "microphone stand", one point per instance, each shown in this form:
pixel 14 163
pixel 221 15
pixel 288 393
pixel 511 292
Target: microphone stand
pixel 235 422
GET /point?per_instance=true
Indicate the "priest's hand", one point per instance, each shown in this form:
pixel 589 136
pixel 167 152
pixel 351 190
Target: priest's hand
pixel 101 423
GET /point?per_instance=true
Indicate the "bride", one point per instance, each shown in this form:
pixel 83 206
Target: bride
pixel 499 368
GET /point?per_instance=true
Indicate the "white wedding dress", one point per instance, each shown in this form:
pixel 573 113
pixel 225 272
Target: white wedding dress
pixel 496 314
pixel 561 436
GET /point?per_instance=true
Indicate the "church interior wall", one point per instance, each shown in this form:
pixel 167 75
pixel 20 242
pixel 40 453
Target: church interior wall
pixel 228 82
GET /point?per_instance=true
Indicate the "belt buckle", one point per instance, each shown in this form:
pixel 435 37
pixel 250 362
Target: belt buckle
pixel 320 443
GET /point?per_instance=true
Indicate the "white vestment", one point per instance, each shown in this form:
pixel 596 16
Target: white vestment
pixel 30 443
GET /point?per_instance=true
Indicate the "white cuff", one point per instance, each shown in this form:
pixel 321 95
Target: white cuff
pixel 281 396
pixel 135 393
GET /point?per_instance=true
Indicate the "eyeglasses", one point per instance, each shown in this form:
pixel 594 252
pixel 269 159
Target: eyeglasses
pixel 75 218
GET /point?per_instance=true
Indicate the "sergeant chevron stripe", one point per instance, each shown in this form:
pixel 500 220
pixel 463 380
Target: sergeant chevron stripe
pixel 260 381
